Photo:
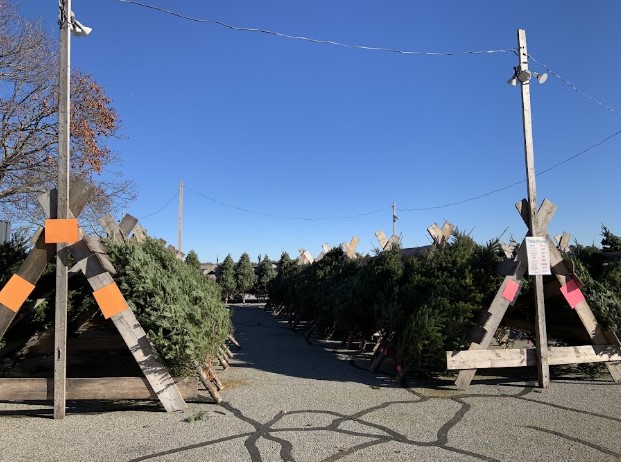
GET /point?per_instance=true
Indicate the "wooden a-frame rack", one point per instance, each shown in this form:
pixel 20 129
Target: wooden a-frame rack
pixel 91 260
pixel 605 348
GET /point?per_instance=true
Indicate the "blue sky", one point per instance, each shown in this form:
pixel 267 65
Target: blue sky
pixel 288 128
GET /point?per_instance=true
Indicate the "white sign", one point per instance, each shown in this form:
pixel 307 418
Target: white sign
pixel 538 255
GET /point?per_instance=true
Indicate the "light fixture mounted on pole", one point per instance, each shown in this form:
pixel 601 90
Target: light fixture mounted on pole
pixel 523 75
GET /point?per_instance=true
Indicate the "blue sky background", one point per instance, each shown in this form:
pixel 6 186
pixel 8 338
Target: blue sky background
pixel 289 128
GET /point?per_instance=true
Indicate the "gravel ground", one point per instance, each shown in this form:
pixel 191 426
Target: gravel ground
pixel 293 400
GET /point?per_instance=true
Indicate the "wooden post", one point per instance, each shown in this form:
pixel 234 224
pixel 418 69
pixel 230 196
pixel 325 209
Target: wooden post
pixel 62 212
pixel 394 218
pixel 180 214
pixel 543 369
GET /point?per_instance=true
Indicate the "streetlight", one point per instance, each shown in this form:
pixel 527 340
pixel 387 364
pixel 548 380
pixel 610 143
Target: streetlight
pixel 67 24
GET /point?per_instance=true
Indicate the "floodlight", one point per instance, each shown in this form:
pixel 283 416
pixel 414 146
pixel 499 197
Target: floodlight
pixel 541 78
pixel 77 28
pixel 524 75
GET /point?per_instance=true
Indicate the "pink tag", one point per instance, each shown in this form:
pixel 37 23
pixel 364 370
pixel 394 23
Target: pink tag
pixel 572 293
pixel 511 289
pixel 398 368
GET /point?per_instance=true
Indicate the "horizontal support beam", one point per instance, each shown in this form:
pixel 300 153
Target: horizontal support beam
pixel 520 357
pixel 40 389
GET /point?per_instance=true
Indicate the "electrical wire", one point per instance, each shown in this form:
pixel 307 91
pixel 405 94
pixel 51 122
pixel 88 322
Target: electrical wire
pixel 314 40
pixel 576 89
pixel 284 217
pixel 412 209
pixel 162 208
pixel 547 170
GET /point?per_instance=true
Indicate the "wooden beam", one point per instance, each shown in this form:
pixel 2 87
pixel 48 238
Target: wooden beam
pixel 520 357
pixel 127 225
pixel 159 379
pixel 497 310
pixel 113 388
pixel 40 255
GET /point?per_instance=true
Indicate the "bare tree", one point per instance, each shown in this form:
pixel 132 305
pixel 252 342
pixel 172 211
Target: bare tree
pixel 29 124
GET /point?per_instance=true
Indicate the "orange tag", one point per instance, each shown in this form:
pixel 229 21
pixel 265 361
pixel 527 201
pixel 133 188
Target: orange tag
pixel 110 300
pixel 15 292
pixel 61 231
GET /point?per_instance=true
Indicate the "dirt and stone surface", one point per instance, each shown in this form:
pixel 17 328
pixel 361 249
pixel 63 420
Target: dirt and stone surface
pixel 290 399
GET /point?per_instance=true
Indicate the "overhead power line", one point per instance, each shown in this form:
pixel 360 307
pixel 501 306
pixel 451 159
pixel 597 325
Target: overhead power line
pixel 576 89
pixel 163 207
pixel 403 209
pixel 314 40
pixel 285 217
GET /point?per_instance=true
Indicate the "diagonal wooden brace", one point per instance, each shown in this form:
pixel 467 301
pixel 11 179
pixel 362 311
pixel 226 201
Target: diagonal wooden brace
pixel 563 269
pixel 499 305
pixel 40 255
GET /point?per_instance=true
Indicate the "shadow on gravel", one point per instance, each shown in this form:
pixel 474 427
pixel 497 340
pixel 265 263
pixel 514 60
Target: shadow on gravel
pixel 83 407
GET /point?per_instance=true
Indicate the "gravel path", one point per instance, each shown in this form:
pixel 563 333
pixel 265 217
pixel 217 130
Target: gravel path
pixel 288 399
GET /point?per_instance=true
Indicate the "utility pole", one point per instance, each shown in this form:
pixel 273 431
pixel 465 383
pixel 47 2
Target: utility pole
pixel 180 214
pixel 394 218
pixel 62 212
pixel 543 368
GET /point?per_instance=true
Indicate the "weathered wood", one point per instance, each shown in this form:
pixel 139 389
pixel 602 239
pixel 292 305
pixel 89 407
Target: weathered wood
pixel 94 244
pixel 439 235
pixel 210 387
pixel 127 225
pixel 497 310
pixel 41 253
pixel 563 272
pixel 534 227
pixel 111 227
pixel 325 248
pixel 80 192
pixel 350 247
pixel 520 357
pixel 105 388
pixel 160 381
pixel 381 238
pixel 140 234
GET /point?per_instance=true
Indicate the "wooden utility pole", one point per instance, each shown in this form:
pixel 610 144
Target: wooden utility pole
pixel 394 218
pixel 180 214
pixel 62 212
pixel 543 368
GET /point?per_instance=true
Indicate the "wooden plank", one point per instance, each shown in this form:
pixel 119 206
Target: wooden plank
pixel 110 226
pixel 105 388
pixel 140 234
pixel 520 357
pixel 497 310
pixel 94 244
pixel 159 379
pixel 381 238
pixel 127 224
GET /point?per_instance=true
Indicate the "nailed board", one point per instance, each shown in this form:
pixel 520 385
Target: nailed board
pixel 115 388
pixel 520 357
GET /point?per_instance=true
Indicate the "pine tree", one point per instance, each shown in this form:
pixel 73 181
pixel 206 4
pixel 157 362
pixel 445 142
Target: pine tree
pixel 265 273
pixel 226 278
pixel 192 260
pixel 244 276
